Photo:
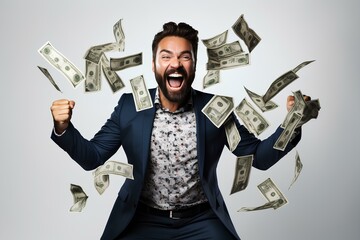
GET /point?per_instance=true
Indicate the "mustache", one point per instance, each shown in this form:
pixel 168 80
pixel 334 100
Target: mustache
pixel 180 70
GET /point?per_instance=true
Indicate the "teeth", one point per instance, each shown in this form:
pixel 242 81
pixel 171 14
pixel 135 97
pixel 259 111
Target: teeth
pixel 175 75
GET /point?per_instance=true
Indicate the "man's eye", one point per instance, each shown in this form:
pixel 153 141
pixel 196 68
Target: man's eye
pixel 165 57
pixel 186 57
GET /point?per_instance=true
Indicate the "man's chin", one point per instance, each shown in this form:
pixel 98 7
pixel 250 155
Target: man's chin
pixel 177 96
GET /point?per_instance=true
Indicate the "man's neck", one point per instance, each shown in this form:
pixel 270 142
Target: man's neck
pixel 171 106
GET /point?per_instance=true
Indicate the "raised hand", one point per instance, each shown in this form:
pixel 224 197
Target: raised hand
pixel 291 101
pixel 61 111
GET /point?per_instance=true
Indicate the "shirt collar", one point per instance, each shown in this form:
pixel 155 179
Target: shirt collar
pixel 186 107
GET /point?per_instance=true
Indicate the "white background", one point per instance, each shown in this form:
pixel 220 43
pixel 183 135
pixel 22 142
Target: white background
pixel 36 175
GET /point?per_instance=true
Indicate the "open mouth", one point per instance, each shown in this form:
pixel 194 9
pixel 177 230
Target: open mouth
pixel 175 80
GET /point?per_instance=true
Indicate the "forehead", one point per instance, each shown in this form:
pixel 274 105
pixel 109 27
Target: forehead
pixel 174 44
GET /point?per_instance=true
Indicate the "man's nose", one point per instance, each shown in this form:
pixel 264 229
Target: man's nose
pixel 175 62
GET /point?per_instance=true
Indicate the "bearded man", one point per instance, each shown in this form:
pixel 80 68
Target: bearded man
pixel 173 147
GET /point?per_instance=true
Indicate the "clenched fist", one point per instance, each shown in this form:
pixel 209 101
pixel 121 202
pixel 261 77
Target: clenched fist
pixel 61 111
pixel 291 101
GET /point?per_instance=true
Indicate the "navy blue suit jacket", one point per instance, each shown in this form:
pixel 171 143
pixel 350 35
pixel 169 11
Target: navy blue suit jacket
pixel 132 130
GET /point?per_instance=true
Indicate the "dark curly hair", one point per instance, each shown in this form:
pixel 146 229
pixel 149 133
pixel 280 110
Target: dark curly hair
pixel 183 30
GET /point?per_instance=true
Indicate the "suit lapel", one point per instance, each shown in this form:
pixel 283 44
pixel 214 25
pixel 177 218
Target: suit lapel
pixel 147 125
pixel 200 131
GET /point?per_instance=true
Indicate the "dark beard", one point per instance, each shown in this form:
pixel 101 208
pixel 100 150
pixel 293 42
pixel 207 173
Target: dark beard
pixel 180 97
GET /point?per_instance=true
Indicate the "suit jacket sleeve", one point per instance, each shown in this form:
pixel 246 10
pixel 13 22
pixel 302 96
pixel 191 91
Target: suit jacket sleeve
pixel 90 154
pixel 265 155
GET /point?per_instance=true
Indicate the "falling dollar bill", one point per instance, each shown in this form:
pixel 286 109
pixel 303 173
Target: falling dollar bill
pixel 47 74
pixel 112 77
pixel 282 81
pixel 258 100
pixel 242 173
pixel 57 60
pixel 286 134
pixel 101 183
pixel 117 64
pixel 95 53
pixel 267 205
pixel 79 196
pixel 117 168
pixel 101 174
pixel 216 41
pixel 218 109
pixel 301 65
pixel 272 193
pixel 279 84
pixel 252 119
pixel 237 60
pixel 140 94
pixel 224 51
pixel 298 168
pixel 93 77
pixel 119 35
pixel 232 135
pixel 212 77
pixel 248 35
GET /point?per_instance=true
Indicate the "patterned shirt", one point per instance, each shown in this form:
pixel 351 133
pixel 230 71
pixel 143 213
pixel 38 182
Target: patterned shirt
pixel 172 180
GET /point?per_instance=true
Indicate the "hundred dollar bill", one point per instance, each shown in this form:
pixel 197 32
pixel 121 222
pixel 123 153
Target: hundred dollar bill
pixel 232 135
pixel 117 64
pixel 248 35
pixel 301 65
pixel 242 173
pixel 298 168
pixel 93 77
pixel 279 84
pixel 224 51
pixel 112 77
pixel 47 74
pixel 258 100
pixel 119 35
pixel 216 41
pixel 272 193
pixel 101 183
pixel 117 168
pixel 79 196
pixel 57 60
pixel 287 133
pixel 218 109
pixel 140 94
pixel 284 80
pixel 267 205
pixel 212 77
pixel 95 53
pixel 101 174
pixel 237 60
pixel 252 119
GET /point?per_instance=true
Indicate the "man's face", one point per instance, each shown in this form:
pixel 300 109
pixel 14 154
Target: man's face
pixel 174 68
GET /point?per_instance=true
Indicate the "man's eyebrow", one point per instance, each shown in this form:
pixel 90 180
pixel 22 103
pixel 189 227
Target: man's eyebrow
pixel 170 52
pixel 185 52
pixel 165 50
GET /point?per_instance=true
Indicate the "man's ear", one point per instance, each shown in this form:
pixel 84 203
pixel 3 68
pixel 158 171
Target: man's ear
pixel 153 65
